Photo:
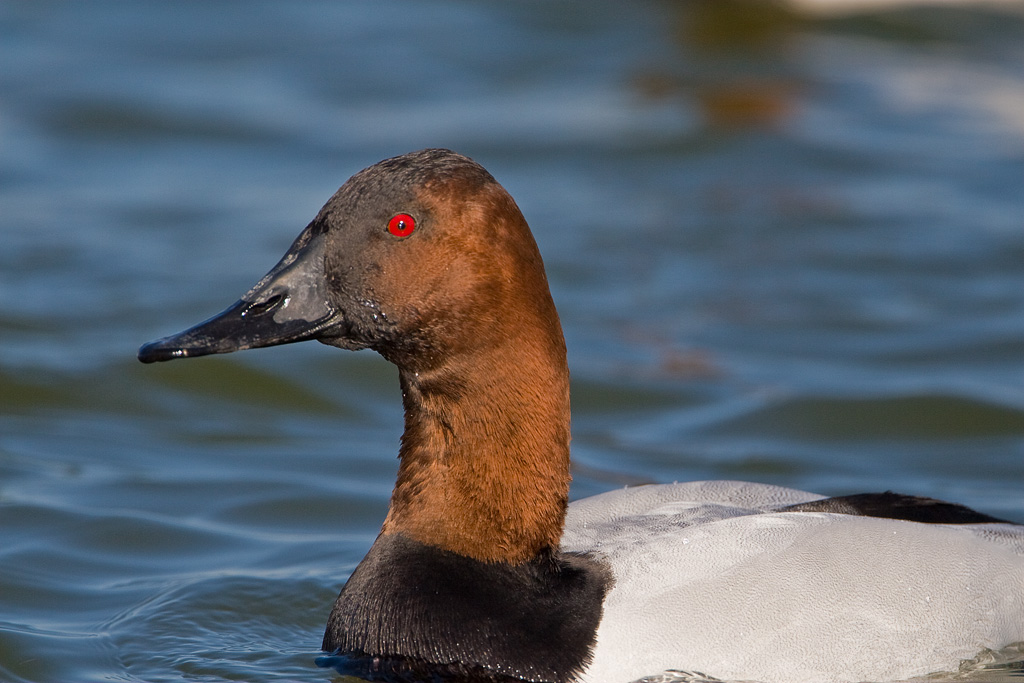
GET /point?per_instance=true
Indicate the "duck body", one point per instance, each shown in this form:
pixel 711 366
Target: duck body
pixel 484 572
pixel 735 580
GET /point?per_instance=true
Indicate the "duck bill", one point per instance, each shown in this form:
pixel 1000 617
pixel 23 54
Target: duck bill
pixel 289 304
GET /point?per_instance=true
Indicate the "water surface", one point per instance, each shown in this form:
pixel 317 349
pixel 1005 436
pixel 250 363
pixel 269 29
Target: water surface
pixel 785 247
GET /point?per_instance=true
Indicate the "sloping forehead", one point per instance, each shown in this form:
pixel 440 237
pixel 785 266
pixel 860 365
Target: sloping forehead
pixel 394 182
pixel 406 173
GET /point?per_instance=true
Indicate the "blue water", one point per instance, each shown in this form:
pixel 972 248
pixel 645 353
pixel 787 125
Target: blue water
pixel 786 247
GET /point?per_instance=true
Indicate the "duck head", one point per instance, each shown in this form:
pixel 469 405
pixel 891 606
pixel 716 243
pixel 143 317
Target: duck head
pixel 416 257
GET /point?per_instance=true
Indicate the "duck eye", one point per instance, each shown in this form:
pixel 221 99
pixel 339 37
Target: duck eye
pixel 401 225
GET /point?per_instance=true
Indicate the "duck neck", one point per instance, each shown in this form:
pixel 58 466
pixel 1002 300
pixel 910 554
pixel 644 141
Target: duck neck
pixel 484 461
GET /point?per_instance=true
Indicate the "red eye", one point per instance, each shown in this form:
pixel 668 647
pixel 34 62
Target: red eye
pixel 401 225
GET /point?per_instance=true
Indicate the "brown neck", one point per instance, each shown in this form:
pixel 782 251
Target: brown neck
pixel 485 455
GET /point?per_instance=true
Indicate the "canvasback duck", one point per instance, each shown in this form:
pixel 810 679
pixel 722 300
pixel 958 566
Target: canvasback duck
pixel 484 571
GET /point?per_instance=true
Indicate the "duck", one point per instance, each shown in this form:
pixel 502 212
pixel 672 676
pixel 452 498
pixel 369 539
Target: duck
pixel 484 571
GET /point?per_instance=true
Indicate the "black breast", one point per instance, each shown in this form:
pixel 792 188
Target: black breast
pixel 412 611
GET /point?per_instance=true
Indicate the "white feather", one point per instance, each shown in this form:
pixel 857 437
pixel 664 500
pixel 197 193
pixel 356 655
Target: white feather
pixel 708 579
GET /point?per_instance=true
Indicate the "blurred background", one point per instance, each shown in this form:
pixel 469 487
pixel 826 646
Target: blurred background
pixel 786 242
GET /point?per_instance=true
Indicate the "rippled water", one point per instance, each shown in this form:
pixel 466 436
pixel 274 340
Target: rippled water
pixel 786 247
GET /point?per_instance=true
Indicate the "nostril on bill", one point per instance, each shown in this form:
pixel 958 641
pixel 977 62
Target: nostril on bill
pixel 259 308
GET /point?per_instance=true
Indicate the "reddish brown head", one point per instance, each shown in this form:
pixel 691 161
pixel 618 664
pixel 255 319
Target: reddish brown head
pixel 426 259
